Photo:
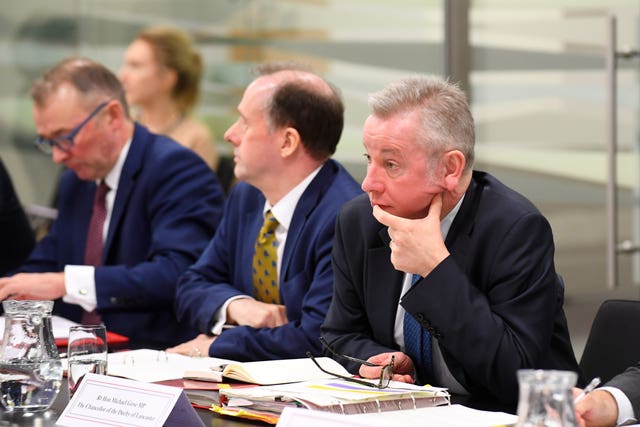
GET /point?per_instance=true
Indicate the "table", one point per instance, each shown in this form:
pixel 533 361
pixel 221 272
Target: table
pixel 211 419
pixel 49 418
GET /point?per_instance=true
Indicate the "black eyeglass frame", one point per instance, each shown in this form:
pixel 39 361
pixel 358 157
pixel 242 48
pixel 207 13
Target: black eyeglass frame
pixel 386 373
pixel 65 142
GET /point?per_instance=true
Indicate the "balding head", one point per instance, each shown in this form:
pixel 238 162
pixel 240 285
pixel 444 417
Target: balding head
pixel 304 101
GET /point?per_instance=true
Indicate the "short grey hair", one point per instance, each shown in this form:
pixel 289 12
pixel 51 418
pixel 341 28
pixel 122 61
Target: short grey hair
pixel 93 81
pixel 447 123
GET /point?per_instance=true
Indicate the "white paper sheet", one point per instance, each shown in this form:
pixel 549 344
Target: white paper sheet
pixel 151 365
pixel 441 416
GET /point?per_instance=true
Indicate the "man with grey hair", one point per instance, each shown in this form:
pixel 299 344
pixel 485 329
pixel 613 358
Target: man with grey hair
pixel 442 267
pixel 135 210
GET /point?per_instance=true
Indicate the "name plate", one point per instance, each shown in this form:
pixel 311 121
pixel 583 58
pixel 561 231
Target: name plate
pixel 103 400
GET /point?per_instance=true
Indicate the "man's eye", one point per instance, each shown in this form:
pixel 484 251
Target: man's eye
pixel 391 165
pixel 367 157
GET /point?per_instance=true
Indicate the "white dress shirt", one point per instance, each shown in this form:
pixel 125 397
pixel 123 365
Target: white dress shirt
pixel 443 377
pixel 283 212
pixel 625 410
pixel 79 280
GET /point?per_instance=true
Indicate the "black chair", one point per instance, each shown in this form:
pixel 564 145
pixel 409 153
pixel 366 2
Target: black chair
pixel 614 340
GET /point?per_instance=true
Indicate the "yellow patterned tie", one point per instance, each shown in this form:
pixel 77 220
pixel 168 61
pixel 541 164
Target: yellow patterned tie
pixel 265 262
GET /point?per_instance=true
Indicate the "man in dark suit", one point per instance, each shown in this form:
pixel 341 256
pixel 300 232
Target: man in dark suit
pixel 451 271
pixel 289 125
pixel 17 236
pixel 617 403
pixel 161 207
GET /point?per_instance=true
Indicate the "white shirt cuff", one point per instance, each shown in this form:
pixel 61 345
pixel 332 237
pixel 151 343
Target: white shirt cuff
pixel 625 410
pixel 80 284
pixel 220 317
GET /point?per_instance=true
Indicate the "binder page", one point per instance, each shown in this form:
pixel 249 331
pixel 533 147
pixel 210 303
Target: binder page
pixel 152 365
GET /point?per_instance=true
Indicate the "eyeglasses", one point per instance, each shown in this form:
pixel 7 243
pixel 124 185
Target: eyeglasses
pixel 65 142
pixel 386 373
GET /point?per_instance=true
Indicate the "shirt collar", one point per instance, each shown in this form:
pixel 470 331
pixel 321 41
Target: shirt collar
pixel 445 223
pixel 284 208
pixel 113 177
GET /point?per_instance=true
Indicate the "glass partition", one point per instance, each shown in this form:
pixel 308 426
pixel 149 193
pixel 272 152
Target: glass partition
pixel 539 93
pixel 358 45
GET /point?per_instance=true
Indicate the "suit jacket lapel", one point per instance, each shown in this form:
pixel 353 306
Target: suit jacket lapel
pixel 307 203
pixel 252 219
pixel 126 184
pixel 387 284
pixel 459 235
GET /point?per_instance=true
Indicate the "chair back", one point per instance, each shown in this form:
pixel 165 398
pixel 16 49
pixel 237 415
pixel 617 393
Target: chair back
pixel 613 343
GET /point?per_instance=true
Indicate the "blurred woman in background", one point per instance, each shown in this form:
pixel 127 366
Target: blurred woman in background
pixel 161 76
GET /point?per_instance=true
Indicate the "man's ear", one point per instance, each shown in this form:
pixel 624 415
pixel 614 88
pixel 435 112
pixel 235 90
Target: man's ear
pixel 290 142
pixel 453 162
pixel 115 111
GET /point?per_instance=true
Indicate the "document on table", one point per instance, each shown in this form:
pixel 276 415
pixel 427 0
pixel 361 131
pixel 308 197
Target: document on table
pixel 152 365
pixel 269 372
pixel 444 416
pixel 441 416
pixel 336 395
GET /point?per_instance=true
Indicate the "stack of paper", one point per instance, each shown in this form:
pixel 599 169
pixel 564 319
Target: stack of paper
pixel 153 366
pixel 267 402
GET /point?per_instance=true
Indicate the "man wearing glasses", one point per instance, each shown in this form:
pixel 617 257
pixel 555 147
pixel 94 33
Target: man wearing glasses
pixel 135 210
pixel 440 266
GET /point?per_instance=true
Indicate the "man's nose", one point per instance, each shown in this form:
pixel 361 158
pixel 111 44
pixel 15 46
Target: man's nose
pixel 371 183
pixel 230 135
pixel 58 155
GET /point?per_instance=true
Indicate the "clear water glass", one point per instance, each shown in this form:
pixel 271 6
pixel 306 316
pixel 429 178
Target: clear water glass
pixel 546 399
pixel 87 353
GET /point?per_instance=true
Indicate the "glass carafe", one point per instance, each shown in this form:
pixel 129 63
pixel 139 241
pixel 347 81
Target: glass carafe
pixel 546 399
pixel 30 370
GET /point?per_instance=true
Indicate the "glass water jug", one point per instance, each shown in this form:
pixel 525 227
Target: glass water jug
pixel 546 399
pixel 30 369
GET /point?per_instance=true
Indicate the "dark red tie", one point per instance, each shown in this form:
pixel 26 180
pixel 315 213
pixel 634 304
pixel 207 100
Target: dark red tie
pixel 93 250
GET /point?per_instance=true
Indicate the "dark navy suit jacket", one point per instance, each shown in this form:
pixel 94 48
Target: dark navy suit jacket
pixel 306 277
pixel 167 207
pixel 494 305
pixel 16 236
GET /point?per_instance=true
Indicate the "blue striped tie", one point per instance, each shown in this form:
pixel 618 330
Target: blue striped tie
pixel 417 344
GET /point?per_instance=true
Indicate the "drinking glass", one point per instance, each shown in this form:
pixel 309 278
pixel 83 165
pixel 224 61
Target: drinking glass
pixel 87 353
pixel 545 398
pixel 30 370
